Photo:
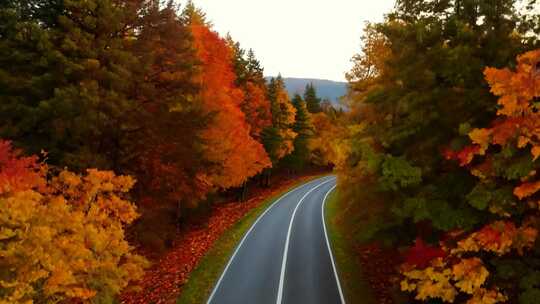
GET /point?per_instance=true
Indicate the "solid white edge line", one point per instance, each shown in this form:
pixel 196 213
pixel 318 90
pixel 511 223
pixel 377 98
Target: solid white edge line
pixel 286 248
pixel 329 247
pixel 216 287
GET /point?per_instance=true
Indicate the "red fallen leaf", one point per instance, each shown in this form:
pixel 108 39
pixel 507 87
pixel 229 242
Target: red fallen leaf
pixel 380 267
pixel 421 254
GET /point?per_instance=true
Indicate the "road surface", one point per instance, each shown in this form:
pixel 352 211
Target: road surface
pixel 285 257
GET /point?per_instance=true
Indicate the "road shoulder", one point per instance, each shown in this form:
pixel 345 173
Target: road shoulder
pixel 355 286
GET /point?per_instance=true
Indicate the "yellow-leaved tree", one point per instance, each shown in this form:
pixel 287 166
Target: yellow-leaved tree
pixel 495 262
pixel 62 235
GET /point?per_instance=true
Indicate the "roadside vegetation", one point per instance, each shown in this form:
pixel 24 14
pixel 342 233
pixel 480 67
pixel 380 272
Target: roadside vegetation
pixel 356 288
pixel 441 144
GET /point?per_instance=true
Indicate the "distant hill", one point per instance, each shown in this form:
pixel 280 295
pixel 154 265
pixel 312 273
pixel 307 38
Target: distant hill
pixel 332 90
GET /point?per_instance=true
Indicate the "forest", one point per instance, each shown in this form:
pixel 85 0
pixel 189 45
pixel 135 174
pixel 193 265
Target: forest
pixel 126 123
pixel 127 112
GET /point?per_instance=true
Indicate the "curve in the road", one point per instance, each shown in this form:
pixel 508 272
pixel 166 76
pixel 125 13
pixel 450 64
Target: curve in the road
pixel 285 257
pixel 323 207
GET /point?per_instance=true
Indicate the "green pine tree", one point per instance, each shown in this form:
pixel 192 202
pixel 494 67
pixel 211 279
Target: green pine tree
pixel 271 137
pixel 165 128
pixel 312 100
pixel 67 79
pixel 304 128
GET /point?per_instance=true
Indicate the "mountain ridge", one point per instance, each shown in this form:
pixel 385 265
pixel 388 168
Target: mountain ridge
pixel 326 89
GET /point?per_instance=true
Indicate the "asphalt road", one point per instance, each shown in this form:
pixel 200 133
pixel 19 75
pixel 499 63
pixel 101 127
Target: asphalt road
pixel 285 257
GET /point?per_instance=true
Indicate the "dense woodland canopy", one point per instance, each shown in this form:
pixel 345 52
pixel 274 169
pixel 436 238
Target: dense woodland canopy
pixel 440 147
pixel 145 89
pixel 129 117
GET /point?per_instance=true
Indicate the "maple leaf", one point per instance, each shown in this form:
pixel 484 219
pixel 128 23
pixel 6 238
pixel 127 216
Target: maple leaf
pixel 498 80
pixel 469 274
pixel 63 232
pixel 466 155
pixel 485 296
pixel 421 254
pixel 527 189
pixel 481 137
pixel 535 151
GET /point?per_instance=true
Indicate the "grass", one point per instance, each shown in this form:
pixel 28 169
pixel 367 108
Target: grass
pixel 355 287
pixel 205 275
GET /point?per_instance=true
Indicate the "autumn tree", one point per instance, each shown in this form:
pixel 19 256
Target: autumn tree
pixel 503 161
pixel 165 146
pixel 228 143
pixel 329 141
pixel 279 137
pixel 415 89
pixel 62 235
pixel 250 78
pixel 303 127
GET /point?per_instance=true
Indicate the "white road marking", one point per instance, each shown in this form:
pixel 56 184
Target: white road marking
pixel 329 247
pixel 286 249
pixel 244 238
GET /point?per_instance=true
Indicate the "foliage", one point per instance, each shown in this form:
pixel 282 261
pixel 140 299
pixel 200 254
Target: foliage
pixel 417 92
pixel 62 89
pixel 63 238
pixel 228 142
pixel 492 158
pixel 279 138
pixel 168 166
pixel 134 87
pixel 413 92
pixel 327 140
pixel 250 78
pixel 304 128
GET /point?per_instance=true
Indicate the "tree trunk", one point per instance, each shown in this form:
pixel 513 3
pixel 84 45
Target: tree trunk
pixel 243 192
pixel 267 182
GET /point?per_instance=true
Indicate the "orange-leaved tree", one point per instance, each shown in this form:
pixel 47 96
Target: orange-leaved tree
pixel 256 106
pixel 62 235
pixel 279 138
pixel 228 143
pixel 497 261
pixel 250 78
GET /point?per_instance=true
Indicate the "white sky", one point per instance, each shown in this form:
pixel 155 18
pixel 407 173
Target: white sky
pixel 299 38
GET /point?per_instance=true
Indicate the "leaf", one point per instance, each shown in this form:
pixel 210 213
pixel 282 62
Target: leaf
pixel 481 137
pixel 65 230
pixel 398 173
pixel 479 197
pixel 526 189
pixel 421 254
pixel 535 151
pixel 469 274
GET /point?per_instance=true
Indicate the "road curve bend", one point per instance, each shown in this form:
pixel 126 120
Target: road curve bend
pixel 285 257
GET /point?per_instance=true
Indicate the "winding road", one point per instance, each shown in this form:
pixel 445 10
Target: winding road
pixel 285 257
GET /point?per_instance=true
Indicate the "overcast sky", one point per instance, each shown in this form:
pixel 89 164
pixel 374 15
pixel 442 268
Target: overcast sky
pixel 299 38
